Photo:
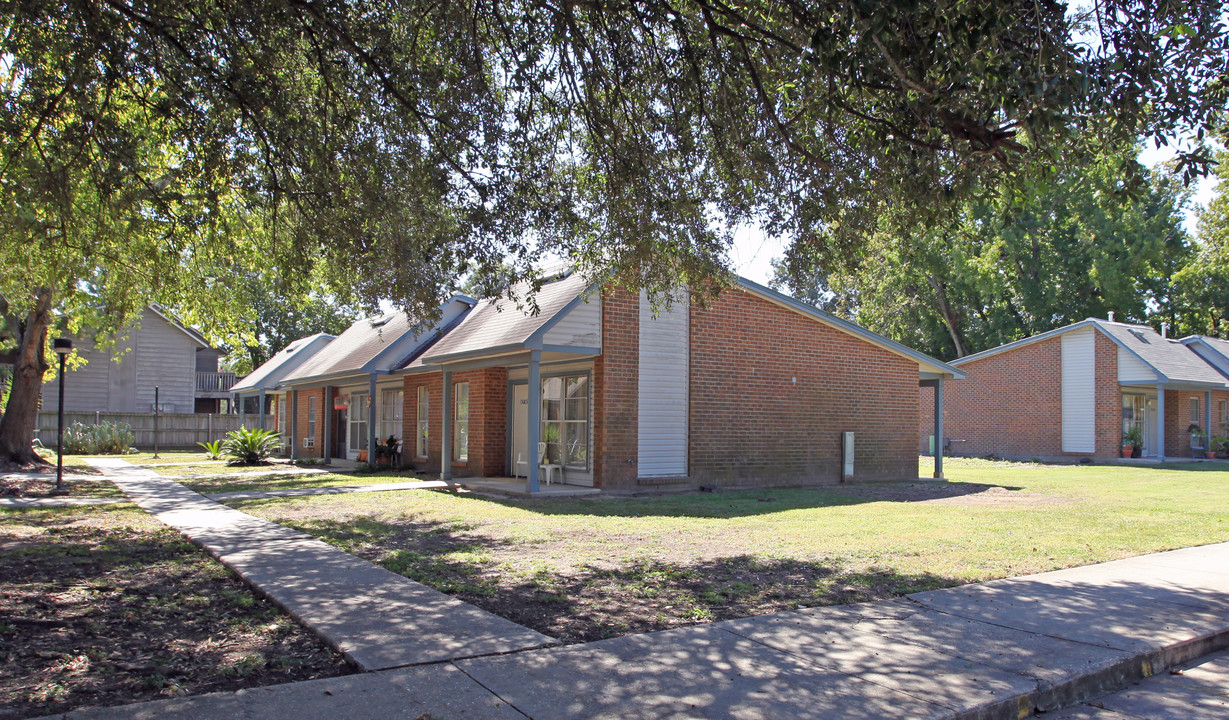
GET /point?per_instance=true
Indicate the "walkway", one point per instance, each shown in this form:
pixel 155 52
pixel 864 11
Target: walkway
pixel 377 618
pixel 1198 691
pixel 1002 649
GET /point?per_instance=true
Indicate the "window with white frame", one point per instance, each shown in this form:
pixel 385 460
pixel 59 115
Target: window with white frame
pixel 311 417
pixel 565 420
pixel 1222 407
pixel 1195 419
pixel 460 422
pixel 420 448
pixel 391 412
pixel 280 407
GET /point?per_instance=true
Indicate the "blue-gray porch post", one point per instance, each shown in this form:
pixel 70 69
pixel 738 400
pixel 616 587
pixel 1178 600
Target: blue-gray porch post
pixel 939 428
pixel 535 421
pixel 371 419
pixel 1160 423
pixel 262 409
pixel 446 429
pixel 294 423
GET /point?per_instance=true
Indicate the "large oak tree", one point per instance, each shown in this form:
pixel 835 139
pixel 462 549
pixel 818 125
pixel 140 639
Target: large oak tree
pixel 153 147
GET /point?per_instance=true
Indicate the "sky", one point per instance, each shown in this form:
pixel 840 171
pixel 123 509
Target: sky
pixel 753 250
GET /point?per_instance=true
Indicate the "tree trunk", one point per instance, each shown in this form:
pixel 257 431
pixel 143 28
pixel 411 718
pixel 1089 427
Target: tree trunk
pixel 21 415
pixel 949 319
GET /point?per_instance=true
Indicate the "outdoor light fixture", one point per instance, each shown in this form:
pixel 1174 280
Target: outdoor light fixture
pixel 62 347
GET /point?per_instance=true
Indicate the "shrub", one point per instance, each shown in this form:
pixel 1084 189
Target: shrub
pixel 213 449
pixel 250 447
pixel 105 438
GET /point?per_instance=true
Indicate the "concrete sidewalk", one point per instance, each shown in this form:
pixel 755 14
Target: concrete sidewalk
pixel 1002 649
pixel 1196 691
pixel 376 618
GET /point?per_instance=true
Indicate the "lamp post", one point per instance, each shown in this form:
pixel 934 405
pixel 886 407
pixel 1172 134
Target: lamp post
pixel 62 347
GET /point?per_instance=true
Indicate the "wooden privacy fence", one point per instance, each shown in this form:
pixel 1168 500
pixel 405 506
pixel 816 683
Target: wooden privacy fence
pixel 175 430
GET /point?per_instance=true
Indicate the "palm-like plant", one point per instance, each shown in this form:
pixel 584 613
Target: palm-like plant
pixel 250 447
pixel 213 449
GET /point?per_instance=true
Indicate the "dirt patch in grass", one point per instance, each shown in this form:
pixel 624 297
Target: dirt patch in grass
pixel 105 606
pixel 44 486
pixel 943 493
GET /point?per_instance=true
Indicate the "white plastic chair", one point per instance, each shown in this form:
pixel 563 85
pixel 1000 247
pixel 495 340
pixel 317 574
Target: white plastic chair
pixel 521 469
pixel 549 468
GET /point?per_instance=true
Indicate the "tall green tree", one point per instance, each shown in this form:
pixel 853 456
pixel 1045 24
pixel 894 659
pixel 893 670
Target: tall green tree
pixel 1080 242
pixel 1201 286
pixel 153 148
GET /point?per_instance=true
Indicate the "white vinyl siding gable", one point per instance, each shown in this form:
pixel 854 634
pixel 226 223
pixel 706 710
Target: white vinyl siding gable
pixel 663 389
pixel 1079 392
pixel 1132 370
pixel 165 357
pixel 579 327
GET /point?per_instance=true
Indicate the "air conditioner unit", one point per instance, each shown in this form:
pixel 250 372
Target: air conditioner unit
pixel 309 442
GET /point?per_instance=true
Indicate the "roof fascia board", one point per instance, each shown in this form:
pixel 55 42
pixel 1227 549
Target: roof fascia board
pixel 1026 341
pixel 1201 342
pixel 534 341
pixel 892 346
pixel 470 354
pixel 478 363
pixel 570 349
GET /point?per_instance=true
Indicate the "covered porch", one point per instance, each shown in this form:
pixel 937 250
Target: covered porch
pixel 1165 414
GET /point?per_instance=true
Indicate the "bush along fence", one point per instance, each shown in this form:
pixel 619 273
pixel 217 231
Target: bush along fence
pixel 175 431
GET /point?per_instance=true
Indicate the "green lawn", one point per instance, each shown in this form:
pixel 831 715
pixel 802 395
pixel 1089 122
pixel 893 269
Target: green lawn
pixel 237 483
pixel 587 568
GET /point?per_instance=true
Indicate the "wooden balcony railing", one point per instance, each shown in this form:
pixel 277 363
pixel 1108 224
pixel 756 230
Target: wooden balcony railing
pixel 214 381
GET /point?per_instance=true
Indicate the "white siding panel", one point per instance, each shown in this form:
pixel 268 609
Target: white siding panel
pixel 1132 370
pixel 1079 392
pixel 166 358
pixel 664 377
pixel 580 327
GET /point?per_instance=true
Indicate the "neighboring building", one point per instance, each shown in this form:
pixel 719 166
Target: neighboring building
pixel 1073 392
pixel 254 393
pixel 754 389
pixel 155 351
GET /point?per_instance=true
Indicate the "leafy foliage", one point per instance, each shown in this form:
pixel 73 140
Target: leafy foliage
pixel 251 447
pixel 105 438
pixel 213 449
pixel 1077 243
pixel 1201 287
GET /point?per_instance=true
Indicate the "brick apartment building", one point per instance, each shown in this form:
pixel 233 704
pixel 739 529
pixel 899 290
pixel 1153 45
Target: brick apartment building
pixel 755 389
pixel 1073 392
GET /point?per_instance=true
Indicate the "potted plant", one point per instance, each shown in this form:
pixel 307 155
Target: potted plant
pixel 1220 446
pixel 1133 442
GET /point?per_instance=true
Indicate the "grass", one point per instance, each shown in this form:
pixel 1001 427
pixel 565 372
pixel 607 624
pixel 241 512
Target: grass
pixel 106 606
pixel 43 485
pixel 237 483
pixel 583 568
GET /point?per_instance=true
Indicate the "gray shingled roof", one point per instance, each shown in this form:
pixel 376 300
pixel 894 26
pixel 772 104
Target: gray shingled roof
pixel 1220 346
pixel 499 325
pixel 1169 357
pixel 268 375
pixel 362 347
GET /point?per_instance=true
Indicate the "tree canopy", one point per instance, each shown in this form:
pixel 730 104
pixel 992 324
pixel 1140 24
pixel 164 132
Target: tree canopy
pixel 154 149
pixel 1078 243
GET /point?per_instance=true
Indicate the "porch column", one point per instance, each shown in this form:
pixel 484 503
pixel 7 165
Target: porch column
pixel 1207 422
pixel 1160 423
pixel 535 421
pixel 939 428
pixel 371 419
pixel 326 452
pixel 262 409
pixel 294 424
pixel 243 401
pixel 446 430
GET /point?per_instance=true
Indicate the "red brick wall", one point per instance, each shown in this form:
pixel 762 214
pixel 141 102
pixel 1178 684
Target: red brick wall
pixel 1010 405
pixel 321 415
pixel 1178 419
pixel 615 382
pixel 772 390
pixel 488 412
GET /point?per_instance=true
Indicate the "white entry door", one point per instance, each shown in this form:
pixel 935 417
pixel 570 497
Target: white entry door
pixel 358 425
pixel 520 432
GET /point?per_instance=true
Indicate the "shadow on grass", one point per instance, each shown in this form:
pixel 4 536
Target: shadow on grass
pixel 104 606
pixel 746 503
pixel 606 598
